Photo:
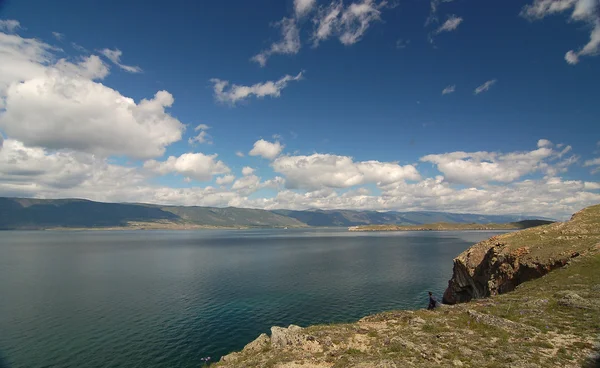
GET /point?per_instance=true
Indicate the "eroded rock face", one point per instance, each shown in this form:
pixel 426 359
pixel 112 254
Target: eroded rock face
pixel 492 267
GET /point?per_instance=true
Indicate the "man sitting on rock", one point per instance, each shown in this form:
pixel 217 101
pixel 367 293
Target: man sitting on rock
pixel 432 302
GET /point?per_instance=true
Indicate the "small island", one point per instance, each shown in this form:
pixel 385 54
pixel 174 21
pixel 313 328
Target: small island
pixel 449 226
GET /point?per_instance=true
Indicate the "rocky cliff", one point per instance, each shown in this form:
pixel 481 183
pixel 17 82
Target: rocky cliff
pixel 549 321
pixel 499 264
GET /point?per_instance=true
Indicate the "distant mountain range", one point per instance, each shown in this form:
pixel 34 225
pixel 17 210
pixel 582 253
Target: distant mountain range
pixel 29 213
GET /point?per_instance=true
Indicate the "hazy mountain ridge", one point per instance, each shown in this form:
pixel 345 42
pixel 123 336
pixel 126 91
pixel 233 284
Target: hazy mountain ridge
pixel 32 213
pixel 357 218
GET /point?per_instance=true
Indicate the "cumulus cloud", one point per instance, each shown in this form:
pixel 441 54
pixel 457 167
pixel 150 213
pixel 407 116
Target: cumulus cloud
pixel 202 136
pixel 480 168
pixel 250 183
pixel 266 149
pixel 239 154
pixel 90 67
pixel 36 172
pixel 583 11
pixel 347 23
pixel 544 143
pixel 449 89
pixel 289 43
pixel 246 185
pixel 62 112
pixel 193 165
pixel 9 25
pixel 59 36
pixel 224 180
pixel 247 170
pixel 332 171
pixel 485 87
pixel 115 57
pixel 27 171
pixel 58 104
pixel 591 185
pixel 236 93
pixel 450 25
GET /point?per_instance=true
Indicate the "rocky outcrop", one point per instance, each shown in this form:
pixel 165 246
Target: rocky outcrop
pixel 491 268
pixel 499 264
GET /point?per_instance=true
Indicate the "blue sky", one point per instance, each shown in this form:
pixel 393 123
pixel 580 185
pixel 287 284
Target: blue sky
pixel 331 104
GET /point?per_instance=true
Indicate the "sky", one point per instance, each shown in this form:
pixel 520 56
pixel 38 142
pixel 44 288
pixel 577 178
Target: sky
pixel 398 105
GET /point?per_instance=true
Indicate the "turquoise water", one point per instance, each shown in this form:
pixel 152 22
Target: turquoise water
pixel 168 298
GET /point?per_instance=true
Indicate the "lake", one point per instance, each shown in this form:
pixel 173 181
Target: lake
pixel 169 298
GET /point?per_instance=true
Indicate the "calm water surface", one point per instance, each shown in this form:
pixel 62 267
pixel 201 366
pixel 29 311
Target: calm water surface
pixel 168 298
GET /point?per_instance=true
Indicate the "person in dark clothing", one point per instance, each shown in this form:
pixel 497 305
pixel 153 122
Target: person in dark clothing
pixel 432 302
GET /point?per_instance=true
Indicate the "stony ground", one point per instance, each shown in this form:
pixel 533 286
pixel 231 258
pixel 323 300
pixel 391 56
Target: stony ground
pixel 552 321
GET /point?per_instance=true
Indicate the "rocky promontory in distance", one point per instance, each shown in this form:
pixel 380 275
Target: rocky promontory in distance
pixel 448 226
pixel 534 301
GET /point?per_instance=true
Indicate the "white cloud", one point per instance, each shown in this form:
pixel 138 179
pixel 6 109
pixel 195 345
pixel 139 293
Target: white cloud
pixel 590 49
pixel 289 44
pixel 246 185
pixel 266 149
pixel 86 116
pixel 591 185
pixel 90 67
pixel 303 7
pixel 57 104
pixel 237 93
pixel 202 136
pixel 35 172
pixel 115 57
pixel 22 59
pixel 194 165
pixel 224 180
pixel 249 184
pixel 480 168
pixel 449 89
pixel 247 170
pixel 485 87
pixel 26 171
pixel 79 48
pixel 239 154
pixel 583 10
pixel 434 4
pixel 541 8
pixel 544 143
pixel 9 25
pixel 348 24
pixel 592 162
pixel 59 36
pixel 450 25
pixel 332 171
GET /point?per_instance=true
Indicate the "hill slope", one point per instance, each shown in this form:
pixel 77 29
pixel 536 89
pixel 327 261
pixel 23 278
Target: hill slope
pixel 24 213
pixel 28 213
